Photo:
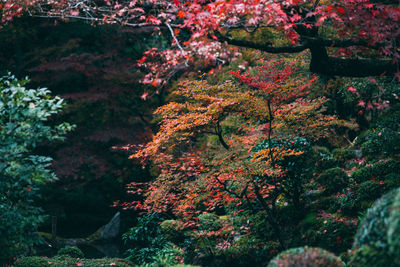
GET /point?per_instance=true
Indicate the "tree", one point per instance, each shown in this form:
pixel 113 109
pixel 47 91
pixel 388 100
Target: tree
pixel 263 129
pixel 355 38
pixel 24 115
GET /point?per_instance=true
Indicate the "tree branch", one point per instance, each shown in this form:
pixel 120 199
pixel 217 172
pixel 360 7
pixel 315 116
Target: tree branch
pixel 342 43
pixel 354 67
pixel 262 47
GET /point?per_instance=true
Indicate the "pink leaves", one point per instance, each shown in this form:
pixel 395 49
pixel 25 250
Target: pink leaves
pixel 361 103
pixel 144 96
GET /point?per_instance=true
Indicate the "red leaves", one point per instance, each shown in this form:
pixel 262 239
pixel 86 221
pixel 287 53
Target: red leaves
pixel 180 14
pixel 177 3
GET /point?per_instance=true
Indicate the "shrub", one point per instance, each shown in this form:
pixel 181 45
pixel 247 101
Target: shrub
pixel 334 180
pixel 371 255
pixel 165 257
pixel 373 228
pixel 306 257
pixel 33 262
pixel 145 239
pixel 209 222
pixel 342 155
pixel 71 251
pixel 24 115
pixel 393 233
pixel 173 230
pixel 324 158
pixel 377 170
pixel 368 190
pixel 392 180
pixel 382 142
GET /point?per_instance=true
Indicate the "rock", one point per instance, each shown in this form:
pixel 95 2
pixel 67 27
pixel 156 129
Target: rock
pixel 111 229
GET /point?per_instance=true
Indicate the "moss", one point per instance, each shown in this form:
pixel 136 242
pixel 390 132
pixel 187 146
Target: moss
pixel 71 251
pixel 342 155
pixel 68 261
pixel 173 230
pixel 378 171
pixel 306 256
pixel 33 262
pixel 371 255
pixel 374 226
pixel 393 233
pixel 334 180
pixel 368 190
pixel 209 222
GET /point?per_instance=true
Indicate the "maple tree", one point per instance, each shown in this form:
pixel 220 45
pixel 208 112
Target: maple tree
pixel 354 38
pixel 254 164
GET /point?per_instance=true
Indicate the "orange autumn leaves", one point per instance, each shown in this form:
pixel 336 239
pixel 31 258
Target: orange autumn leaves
pixel 196 173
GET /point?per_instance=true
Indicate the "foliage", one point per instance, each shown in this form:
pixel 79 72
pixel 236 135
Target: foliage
pixel 173 230
pixel 71 251
pixel 376 171
pixel 36 261
pixel 369 191
pixel 24 115
pixel 145 241
pixel 371 255
pixel 200 30
pixel 235 157
pixel 342 154
pixel 94 69
pixel 394 229
pixel 165 257
pixel 209 222
pixel 305 256
pixel 334 180
pixel 373 228
pixel 381 141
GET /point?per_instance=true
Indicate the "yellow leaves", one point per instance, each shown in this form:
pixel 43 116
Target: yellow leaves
pixel 306 118
pixel 274 153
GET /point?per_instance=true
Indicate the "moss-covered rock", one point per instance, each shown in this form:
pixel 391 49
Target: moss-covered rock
pixel 173 230
pixel 209 222
pixel 377 171
pixel 374 226
pixel 369 191
pixel 306 256
pixel 71 251
pixel 393 234
pixel 68 261
pixel 377 241
pixel 334 180
pixel 341 154
pixel 371 255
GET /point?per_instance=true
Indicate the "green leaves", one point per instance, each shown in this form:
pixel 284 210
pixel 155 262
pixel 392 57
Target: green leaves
pixel 23 125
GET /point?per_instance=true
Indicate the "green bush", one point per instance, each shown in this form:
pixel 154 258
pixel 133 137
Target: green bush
pixel 145 239
pixel 381 142
pixel 24 115
pixel 393 233
pixel 71 251
pixel 378 171
pixel 342 155
pixel 306 256
pixel 369 191
pixel 334 180
pixel 392 180
pixel 371 255
pixel 68 262
pixel 209 222
pixel 324 158
pixel 165 257
pixel 173 230
pixel 373 228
